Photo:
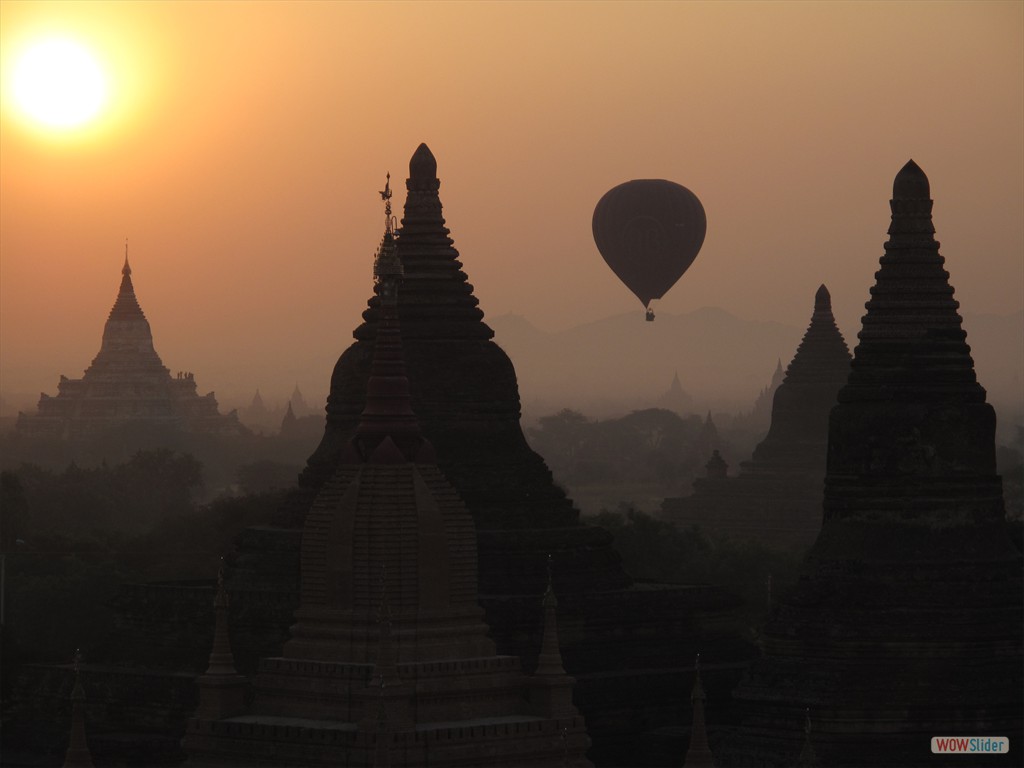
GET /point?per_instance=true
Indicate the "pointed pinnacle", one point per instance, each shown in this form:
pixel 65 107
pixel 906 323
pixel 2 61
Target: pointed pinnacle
pixel 911 183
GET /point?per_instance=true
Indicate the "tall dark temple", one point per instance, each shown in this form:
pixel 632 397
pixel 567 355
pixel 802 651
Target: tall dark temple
pixel 389 662
pixel 627 645
pixel 906 622
pixel 465 393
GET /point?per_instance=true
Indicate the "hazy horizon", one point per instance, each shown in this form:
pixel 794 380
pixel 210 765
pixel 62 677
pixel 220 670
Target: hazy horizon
pixel 245 145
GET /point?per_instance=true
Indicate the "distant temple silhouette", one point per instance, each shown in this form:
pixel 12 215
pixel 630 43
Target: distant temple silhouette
pixel 776 498
pixel 760 414
pixel 675 398
pixel 389 662
pixel 126 384
pixel 906 622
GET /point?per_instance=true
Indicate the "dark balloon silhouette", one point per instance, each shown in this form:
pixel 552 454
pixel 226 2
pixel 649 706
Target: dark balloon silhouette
pixel 649 231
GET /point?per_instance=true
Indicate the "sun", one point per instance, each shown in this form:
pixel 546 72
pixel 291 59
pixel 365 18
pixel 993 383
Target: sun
pixel 59 83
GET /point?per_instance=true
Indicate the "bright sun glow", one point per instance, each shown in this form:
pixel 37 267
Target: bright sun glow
pixel 59 83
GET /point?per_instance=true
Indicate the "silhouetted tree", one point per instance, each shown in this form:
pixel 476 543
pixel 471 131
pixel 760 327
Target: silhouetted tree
pixel 13 511
pixel 267 475
pixel 654 445
pixel 656 550
pixel 560 436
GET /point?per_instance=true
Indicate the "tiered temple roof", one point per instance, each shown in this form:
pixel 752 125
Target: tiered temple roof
pixel 907 620
pixel 126 384
pixel 624 644
pixel 777 496
pixel 798 435
pixel 389 659
pixel 474 421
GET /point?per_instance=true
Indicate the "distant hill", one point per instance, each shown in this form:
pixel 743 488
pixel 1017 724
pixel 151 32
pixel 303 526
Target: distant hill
pixel 620 363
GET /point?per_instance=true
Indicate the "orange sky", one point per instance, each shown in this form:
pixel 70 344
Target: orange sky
pixel 246 143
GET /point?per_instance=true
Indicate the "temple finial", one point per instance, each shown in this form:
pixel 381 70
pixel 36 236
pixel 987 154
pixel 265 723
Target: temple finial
pixel 385 195
pixel 78 755
pixel 222 691
pixel 698 688
pixel 698 755
pixel 807 758
pixel 221 598
pixel 222 660
pixel 387 268
pixel 423 165
pixel 911 183
pixel 388 432
pixel 822 299
pixel 549 663
pixel 126 270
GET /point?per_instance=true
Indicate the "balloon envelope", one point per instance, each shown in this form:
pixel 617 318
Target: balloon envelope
pixel 649 231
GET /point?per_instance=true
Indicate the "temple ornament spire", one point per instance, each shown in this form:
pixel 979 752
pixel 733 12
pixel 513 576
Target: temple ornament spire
pixel 550 660
pixel 222 691
pixel 388 429
pixel 698 754
pixel 78 754
pixel 222 662
pixel 551 689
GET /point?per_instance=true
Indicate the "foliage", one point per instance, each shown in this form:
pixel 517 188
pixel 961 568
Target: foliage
pixel 13 510
pixel 189 546
pixel 655 550
pixel 84 532
pixel 647 446
pixel 105 501
pixel 266 475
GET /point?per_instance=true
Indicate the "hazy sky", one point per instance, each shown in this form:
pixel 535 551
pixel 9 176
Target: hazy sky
pixel 244 145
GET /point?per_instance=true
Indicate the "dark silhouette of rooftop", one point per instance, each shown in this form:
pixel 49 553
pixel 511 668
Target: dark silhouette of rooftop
pixel 907 619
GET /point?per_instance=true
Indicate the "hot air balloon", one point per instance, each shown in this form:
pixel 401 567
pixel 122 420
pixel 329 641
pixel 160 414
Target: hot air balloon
pixel 649 231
